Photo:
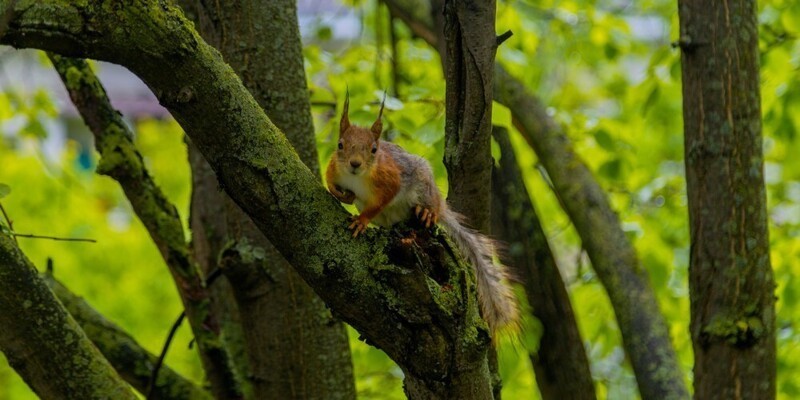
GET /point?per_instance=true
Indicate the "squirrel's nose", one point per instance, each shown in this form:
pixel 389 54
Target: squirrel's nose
pixel 355 163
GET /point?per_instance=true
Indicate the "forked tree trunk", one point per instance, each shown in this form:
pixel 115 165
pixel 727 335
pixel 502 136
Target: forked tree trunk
pixel 730 277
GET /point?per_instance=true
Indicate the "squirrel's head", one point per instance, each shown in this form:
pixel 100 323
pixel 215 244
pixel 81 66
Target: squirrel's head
pixel 358 146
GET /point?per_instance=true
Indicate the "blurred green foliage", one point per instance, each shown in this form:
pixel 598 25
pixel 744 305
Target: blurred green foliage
pixel 605 69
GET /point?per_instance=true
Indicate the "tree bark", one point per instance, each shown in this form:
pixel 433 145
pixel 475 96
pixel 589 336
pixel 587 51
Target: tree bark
pixel 730 277
pixel 129 359
pixel 43 343
pixel 120 160
pixel 413 302
pixel 470 44
pixel 561 365
pixel 296 349
pixel 645 336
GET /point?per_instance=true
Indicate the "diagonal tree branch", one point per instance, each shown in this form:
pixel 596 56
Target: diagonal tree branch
pixel 413 302
pixel 133 363
pixel 561 366
pixel 283 322
pixel 121 161
pixel 43 343
pixel 644 330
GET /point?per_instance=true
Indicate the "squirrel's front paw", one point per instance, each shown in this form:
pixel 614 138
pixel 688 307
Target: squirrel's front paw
pixel 359 225
pixel 426 216
pixel 343 195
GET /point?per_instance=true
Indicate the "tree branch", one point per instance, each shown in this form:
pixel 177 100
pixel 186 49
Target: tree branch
pixel 562 369
pixel 373 282
pixel 121 161
pixel 43 343
pixel 645 335
pixel 133 363
pixel 644 330
pixel 278 317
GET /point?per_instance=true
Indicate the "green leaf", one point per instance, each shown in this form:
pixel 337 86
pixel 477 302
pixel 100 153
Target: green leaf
pixel 651 98
pixel 324 33
pixel 5 190
pixel 611 169
pixel 35 129
pixel 604 140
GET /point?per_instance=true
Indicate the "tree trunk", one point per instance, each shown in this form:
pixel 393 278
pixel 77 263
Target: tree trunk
pixel 470 44
pixel 296 349
pixel 561 366
pixel 645 335
pixel 730 277
pixel 43 343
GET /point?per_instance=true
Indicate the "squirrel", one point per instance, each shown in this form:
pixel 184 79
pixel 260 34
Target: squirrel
pixel 388 185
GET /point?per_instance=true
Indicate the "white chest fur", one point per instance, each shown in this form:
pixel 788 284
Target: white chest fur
pixel 358 185
pixel 397 210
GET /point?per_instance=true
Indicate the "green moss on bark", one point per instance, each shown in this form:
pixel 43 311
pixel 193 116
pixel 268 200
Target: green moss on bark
pixel 41 340
pixel 257 167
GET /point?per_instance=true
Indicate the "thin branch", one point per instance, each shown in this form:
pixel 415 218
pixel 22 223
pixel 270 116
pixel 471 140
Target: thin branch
pixel 157 367
pixel 8 221
pixel 395 56
pixel 503 37
pixel 60 239
pixel 212 276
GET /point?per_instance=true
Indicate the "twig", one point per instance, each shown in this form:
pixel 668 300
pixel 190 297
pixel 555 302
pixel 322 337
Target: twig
pixel 395 55
pixel 212 277
pixel 8 220
pixel 378 42
pixel 25 235
pixel 502 38
pixel 152 385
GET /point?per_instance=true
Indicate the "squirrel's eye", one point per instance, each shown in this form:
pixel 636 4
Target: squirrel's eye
pixel 374 149
pixel 341 146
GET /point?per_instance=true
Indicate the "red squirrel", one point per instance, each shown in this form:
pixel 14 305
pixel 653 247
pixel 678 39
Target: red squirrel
pixel 388 185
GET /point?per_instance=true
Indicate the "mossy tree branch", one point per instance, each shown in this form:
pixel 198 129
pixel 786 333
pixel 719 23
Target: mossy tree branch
pixel 283 322
pixel 43 343
pixel 132 362
pixel 392 294
pixel 561 365
pixel 644 330
pixel 121 161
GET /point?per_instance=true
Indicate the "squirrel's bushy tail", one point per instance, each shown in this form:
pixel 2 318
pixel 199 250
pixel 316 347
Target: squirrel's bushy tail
pixel 497 300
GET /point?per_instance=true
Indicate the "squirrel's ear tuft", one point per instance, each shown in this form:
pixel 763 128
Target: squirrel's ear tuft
pixel 377 126
pixel 345 122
